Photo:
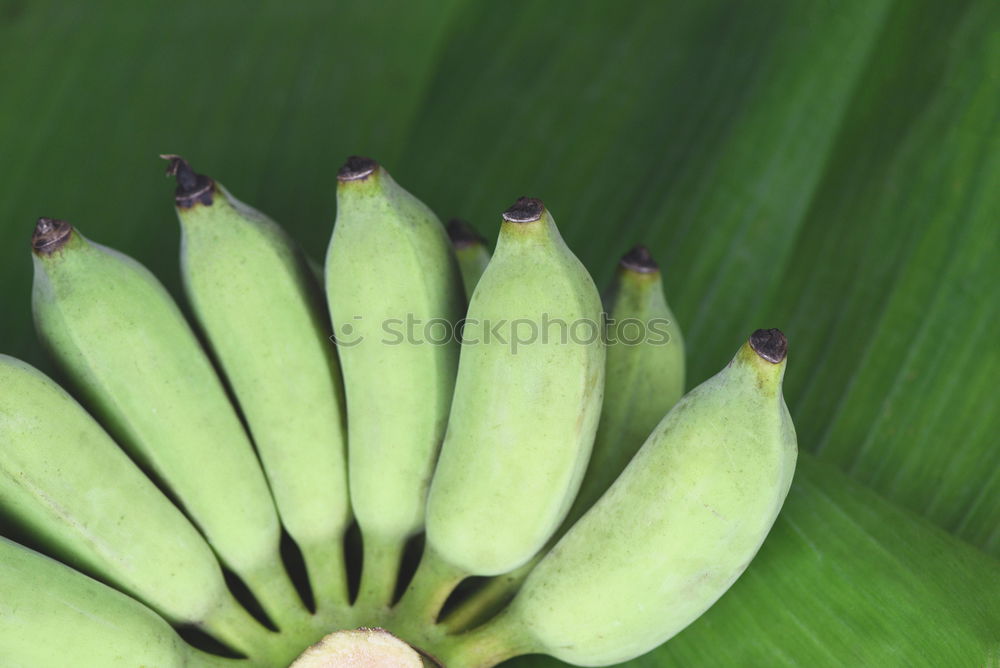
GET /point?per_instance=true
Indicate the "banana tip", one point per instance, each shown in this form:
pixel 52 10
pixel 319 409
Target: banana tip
pixel 525 210
pixel 192 187
pixel 50 235
pixel 462 234
pixel 639 260
pixel 770 344
pixel 357 168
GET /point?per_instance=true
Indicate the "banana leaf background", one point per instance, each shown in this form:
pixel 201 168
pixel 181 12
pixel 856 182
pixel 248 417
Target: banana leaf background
pixel 829 168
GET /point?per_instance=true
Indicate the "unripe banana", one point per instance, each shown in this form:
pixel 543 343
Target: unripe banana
pixel 644 379
pixel 263 312
pixel 64 482
pixel 645 372
pixel 471 251
pixel 54 616
pixel 121 339
pixel 390 268
pixel 674 531
pixel 527 401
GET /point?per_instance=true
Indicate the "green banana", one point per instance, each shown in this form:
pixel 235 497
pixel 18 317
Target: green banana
pixel 645 372
pixel 527 402
pixel 471 251
pixel 64 482
pixel 55 616
pixel 390 268
pixel 121 339
pixel 644 379
pixel 254 296
pixel 674 531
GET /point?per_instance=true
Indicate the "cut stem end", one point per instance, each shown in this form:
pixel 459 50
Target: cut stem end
pixel 525 210
pixel 639 260
pixel 192 188
pixel 357 168
pixel 770 344
pixel 364 648
pixel 50 235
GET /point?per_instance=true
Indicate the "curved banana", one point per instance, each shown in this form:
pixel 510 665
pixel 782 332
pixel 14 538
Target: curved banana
pixel 55 616
pixel 674 531
pixel 527 401
pixel 394 293
pixel 64 482
pixel 644 379
pixel 471 251
pixel 253 294
pixel 120 338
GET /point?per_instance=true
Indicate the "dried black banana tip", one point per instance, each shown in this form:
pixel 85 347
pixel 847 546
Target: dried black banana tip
pixel 770 344
pixel 192 187
pixel 525 210
pixel 462 234
pixel 639 260
pixel 357 168
pixel 50 235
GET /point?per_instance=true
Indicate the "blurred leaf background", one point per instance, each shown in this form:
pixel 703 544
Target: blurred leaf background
pixel 829 168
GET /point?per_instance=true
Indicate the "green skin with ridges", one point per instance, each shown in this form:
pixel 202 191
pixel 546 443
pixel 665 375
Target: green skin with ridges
pixel 64 482
pixel 675 530
pixel 389 258
pixel 124 344
pixel 644 379
pixel 524 416
pixel 263 312
pixel 55 616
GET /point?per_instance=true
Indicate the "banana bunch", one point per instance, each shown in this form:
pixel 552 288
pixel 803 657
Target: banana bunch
pixel 420 454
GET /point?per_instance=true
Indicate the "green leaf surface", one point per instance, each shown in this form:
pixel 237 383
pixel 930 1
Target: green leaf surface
pixel 833 172
pixel 828 168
